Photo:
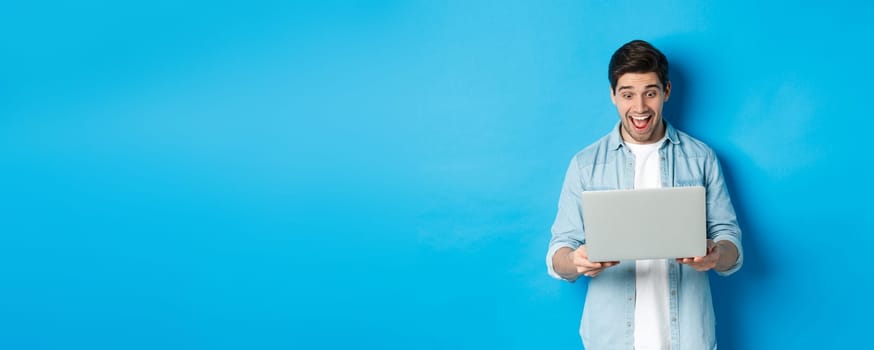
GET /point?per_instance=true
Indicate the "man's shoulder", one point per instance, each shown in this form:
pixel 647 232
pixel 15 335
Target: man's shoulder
pixel 594 151
pixel 693 146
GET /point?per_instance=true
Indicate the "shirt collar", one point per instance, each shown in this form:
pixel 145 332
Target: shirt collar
pixel 614 140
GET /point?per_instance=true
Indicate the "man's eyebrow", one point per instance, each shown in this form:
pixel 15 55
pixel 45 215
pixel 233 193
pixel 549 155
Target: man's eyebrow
pixel 657 86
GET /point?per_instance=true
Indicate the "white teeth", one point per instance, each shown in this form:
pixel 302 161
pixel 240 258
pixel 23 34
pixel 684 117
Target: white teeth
pixel 640 118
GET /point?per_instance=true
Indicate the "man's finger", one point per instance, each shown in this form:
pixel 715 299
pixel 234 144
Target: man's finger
pixel 592 273
pixel 586 263
pixel 585 270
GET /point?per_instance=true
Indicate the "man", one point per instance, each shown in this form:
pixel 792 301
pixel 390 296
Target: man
pixel 644 304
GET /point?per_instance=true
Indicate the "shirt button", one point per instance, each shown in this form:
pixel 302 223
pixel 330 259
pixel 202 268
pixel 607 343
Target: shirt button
pixel 673 292
pixel 673 319
pixel 629 324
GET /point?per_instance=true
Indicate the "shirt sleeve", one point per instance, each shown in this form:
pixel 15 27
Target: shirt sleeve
pixel 721 219
pixel 567 230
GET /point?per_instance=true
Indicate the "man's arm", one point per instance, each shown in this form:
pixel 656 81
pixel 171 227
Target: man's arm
pixel 725 252
pixel 567 230
pixel 566 257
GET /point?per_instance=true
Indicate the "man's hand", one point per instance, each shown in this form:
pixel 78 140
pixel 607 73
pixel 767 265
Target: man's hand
pixel 580 259
pixel 707 262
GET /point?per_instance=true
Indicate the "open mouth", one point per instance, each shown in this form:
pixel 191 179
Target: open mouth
pixel 641 122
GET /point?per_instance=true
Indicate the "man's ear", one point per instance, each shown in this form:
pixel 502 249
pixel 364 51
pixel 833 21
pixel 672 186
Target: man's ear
pixel 667 91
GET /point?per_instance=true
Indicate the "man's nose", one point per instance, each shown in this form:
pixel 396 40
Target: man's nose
pixel 639 104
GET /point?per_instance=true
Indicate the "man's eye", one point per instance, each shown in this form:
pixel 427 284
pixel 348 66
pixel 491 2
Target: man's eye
pixel 626 96
pixel 651 94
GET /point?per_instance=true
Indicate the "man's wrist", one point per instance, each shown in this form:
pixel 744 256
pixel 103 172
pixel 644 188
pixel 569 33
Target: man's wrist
pixel 573 274
pixel 725 253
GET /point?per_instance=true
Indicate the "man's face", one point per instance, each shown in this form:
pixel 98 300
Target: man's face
pixel 639 98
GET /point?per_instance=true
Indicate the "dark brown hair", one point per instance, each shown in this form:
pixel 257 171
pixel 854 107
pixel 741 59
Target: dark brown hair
pixel 637 56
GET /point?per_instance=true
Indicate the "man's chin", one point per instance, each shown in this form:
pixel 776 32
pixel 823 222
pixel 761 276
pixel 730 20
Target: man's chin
pixel 638 136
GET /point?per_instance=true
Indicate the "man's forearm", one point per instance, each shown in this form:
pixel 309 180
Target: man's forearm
pixel 563 264
pixel 728 255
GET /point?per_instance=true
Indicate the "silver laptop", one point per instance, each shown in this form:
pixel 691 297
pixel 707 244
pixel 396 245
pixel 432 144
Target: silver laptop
pixel 645 224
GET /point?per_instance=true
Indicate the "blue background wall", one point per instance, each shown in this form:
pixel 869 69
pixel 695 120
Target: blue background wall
pixel 384 174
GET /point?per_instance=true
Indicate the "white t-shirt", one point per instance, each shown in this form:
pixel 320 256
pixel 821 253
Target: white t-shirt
pixel 651 310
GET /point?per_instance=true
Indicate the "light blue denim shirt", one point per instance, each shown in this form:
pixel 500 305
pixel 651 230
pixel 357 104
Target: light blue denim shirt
pixel 608 314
